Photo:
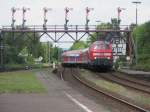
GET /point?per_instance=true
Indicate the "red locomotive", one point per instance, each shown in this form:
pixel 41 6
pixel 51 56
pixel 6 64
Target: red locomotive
pixel 99 54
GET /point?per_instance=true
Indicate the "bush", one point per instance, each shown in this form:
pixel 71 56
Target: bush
pixel 142 35
pixel 120 62
pixel 143 67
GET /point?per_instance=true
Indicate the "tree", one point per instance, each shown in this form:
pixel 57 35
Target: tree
pixel 55 54
pixel 19 43
pixel 79 45
pixel 142 35
pixel 100 35
pixel 47 47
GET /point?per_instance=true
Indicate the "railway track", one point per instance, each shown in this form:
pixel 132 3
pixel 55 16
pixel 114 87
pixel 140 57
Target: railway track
pixel 128 82
pixel 131 79
pixel 76 75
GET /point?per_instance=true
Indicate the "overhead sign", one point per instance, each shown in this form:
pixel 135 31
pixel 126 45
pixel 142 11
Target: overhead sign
pixel 119 46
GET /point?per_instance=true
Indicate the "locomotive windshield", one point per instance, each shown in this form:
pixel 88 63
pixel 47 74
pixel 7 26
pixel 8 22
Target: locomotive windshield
pixel 100 45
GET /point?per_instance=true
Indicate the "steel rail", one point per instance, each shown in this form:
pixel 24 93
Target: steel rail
pixel 109 95
pixel 130 80
pixel 124 84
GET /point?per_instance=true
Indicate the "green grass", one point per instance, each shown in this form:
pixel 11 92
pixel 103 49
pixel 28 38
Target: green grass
pixel 23 66
pixel 20 82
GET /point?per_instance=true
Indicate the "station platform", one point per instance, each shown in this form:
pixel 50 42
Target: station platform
pixel 134 72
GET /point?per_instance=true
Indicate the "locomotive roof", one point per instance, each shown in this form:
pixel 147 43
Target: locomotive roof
pixel 100 45
pixel 101 42
pixel 98 42
pixel 74 52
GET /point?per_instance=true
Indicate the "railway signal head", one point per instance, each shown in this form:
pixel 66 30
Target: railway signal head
pixel 89 9
pixel 67 9
pixel 137 2
pixel 13 9
pixel 24 9
pixel 47 9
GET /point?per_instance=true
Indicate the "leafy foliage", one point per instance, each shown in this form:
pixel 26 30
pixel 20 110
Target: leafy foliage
pixel 142 35
pixel 21 48
pixel 24 48
pixel 47 47
pixel 79 45
pixel 56 54
pixel 100 35
pixel 96 36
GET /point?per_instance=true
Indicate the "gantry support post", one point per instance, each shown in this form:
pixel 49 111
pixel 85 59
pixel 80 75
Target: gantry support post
pixel 1 51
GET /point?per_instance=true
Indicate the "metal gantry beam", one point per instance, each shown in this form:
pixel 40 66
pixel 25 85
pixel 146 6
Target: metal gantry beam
pixel 60 28
pixel 72 31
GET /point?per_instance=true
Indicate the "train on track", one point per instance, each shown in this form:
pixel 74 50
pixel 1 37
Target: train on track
pixel 98 55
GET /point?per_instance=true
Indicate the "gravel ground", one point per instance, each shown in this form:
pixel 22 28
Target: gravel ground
pixel 113 106
pixel 141 75
pixel 130 94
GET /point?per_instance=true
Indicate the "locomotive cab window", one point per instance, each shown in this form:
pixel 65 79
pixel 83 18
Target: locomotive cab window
pixel 100 45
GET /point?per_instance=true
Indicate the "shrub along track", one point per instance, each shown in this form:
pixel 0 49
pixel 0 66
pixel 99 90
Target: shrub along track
pixel 75 74
pixel 132 83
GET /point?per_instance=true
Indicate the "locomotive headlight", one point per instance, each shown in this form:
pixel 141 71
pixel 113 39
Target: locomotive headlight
pixel 96 54
pixel 108 57
pixel 95 57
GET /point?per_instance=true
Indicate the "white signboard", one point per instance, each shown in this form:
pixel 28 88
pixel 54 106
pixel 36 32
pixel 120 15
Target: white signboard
pixel 119 47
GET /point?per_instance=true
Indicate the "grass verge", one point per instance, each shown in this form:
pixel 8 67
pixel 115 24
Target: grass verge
pixel 20 82
pixel 116 88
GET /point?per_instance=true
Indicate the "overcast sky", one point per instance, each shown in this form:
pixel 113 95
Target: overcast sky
pixel 104 10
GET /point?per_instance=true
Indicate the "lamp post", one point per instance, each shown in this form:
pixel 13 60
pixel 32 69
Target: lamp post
pixel 136 4
pixel 136 43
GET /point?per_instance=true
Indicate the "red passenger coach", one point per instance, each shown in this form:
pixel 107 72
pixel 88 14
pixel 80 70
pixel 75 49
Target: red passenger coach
pixel 74 58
